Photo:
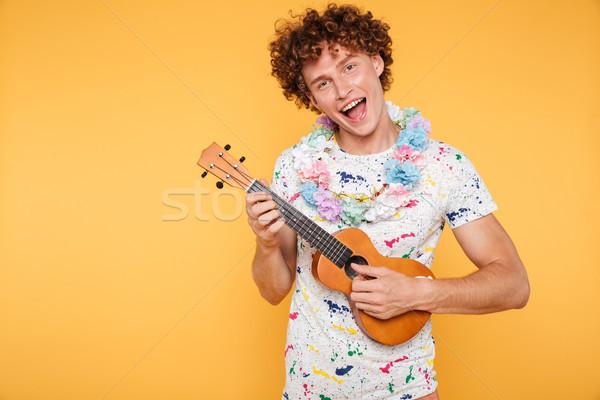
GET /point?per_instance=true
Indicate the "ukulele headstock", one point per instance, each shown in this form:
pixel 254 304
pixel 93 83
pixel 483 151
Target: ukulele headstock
pixel 220 163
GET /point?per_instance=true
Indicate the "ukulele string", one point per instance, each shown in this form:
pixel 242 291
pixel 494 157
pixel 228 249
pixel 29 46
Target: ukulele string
pixel 235 167
pixel 331 247
pixel 239 181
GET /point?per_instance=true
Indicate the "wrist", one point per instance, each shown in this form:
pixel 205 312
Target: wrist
pixel 266 248
pixel 431 295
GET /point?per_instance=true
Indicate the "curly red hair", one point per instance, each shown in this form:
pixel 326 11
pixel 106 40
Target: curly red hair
pixel 298 41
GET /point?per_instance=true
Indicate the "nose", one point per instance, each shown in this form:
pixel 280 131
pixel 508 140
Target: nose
pixel 343 88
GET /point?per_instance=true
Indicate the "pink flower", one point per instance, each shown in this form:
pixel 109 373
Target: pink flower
pixel 329 207
pixel 406 153
pixel 316 173
pixel 399 193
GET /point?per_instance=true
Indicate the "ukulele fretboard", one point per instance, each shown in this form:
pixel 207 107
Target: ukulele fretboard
pixel 328 245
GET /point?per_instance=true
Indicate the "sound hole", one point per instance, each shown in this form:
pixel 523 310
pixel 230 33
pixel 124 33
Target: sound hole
pixel 350 272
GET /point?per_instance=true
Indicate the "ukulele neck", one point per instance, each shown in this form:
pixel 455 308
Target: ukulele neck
pixel 328 245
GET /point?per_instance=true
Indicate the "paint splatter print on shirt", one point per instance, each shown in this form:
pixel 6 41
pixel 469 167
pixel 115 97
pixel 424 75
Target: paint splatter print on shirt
pixel 327 356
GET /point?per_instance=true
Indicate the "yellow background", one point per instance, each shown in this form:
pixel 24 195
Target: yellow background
pixel 105 107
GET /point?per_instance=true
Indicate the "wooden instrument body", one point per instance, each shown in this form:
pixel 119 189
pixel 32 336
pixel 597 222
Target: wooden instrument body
pixel 390 331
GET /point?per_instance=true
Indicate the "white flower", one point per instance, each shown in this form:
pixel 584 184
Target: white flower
pixel 391 201
pixel 303 156
pixel 384 207
pixel 380 210
pixel 396 114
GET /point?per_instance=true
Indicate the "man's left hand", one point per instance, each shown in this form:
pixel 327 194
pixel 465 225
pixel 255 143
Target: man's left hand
pixel 383 293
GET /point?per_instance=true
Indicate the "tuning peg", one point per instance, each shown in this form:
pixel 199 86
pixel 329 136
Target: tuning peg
pixel 242 159
pixel 204 174
pixel 227 147
pixel 220 185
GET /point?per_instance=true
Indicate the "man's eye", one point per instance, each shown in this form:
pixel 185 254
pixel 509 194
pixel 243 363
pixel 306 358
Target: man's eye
pixel 322 84
pixel 350 67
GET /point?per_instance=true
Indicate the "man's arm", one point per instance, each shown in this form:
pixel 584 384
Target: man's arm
pixel 274 264
pixel 499 284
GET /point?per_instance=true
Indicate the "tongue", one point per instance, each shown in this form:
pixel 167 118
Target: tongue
pixel 357 110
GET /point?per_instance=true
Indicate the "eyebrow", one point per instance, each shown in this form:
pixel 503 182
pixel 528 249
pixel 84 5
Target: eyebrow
pixel 320 77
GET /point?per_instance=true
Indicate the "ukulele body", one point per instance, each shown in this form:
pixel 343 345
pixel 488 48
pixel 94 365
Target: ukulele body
pixel 391 331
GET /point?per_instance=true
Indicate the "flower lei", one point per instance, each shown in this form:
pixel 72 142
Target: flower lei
pixel 403 171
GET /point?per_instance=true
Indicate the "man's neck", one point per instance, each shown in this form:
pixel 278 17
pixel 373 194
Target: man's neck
pixel 378 141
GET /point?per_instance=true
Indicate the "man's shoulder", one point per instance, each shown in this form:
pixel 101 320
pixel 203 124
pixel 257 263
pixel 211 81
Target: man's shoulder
pixel 285 160
pixel 443 147
pixel 287 154
pixel 284 174
pixel 441 152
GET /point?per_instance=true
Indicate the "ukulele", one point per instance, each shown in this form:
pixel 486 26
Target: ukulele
pixel 331 265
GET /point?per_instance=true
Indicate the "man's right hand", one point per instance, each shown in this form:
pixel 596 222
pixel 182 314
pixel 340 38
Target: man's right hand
pixel 264 218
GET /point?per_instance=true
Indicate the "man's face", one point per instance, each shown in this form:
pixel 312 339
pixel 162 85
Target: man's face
pixel 345 85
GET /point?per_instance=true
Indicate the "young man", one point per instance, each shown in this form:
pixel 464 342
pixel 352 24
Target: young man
pixel 373 166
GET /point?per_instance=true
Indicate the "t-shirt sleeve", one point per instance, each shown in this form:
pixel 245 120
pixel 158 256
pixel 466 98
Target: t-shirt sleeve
pixel 468 198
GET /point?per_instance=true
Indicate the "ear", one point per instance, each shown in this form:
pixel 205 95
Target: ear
pixel 378 63
pixel 312 100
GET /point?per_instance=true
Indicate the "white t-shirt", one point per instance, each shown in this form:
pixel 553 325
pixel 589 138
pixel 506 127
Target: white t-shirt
pixel 327 356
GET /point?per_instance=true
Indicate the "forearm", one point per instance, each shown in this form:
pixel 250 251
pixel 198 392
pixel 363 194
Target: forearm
pixel 274 264
pixel 495 287
pixel 271 273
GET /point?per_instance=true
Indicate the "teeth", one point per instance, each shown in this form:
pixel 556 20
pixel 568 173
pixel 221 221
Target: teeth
pixel 349 106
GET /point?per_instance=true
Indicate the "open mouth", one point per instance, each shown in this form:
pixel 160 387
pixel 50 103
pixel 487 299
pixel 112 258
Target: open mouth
pixel 355 110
